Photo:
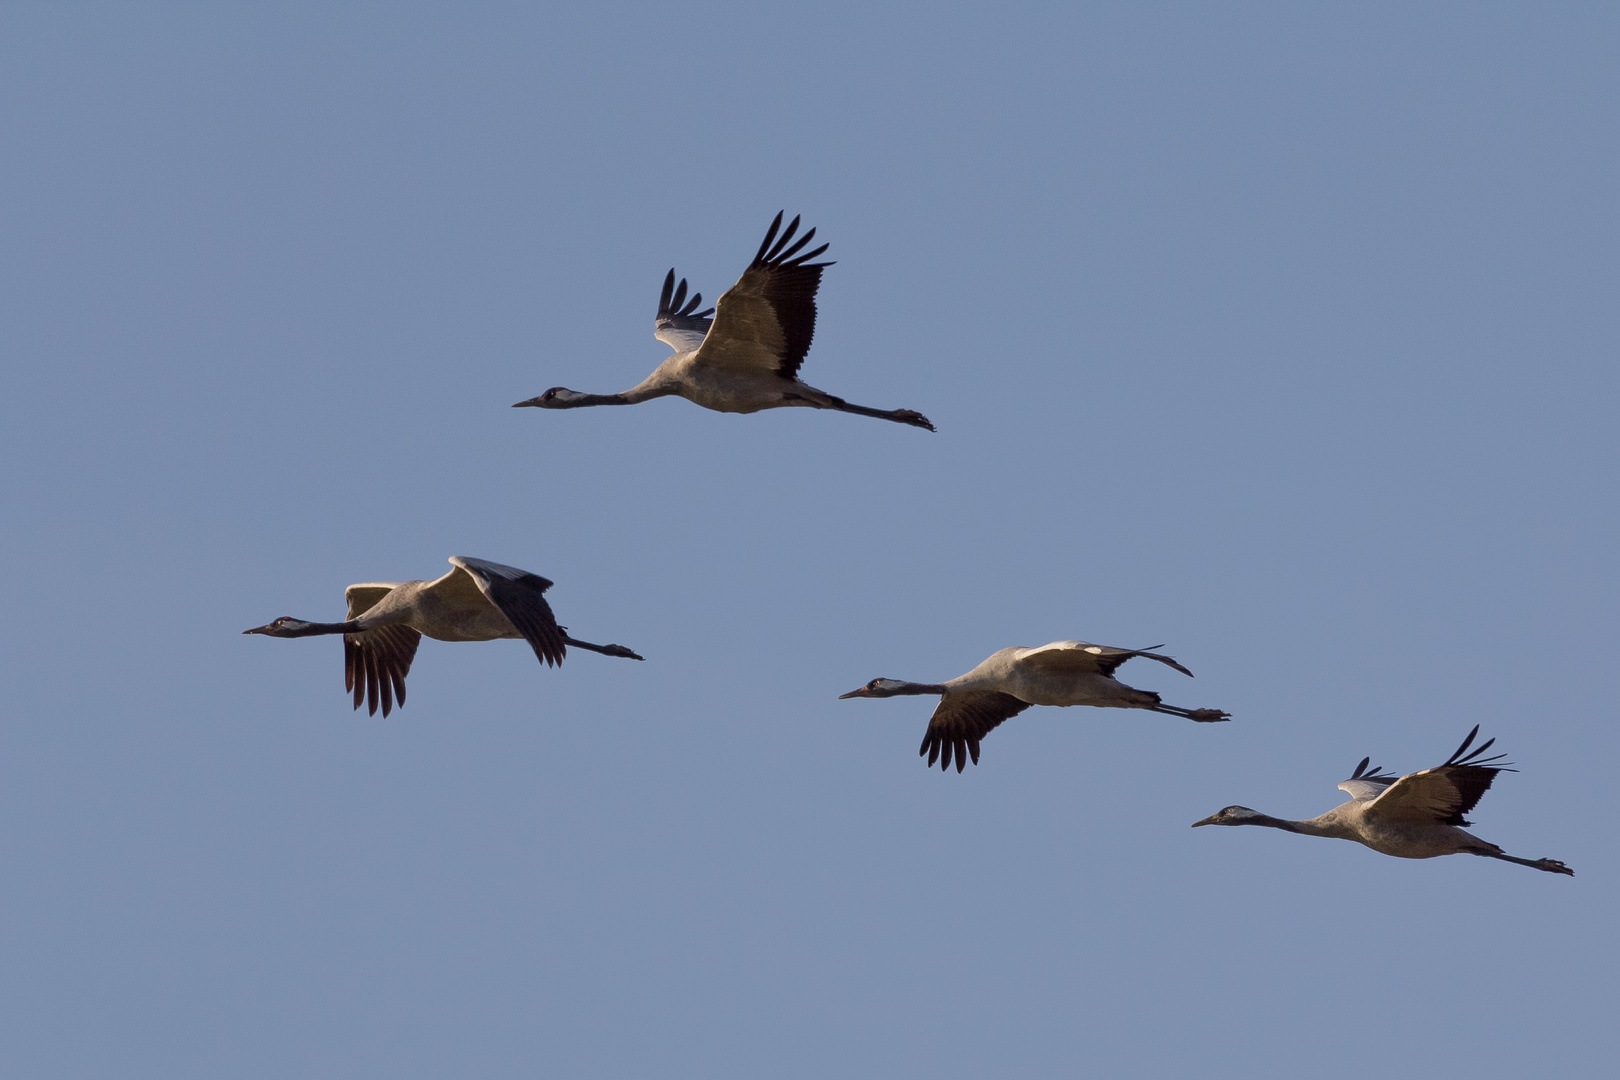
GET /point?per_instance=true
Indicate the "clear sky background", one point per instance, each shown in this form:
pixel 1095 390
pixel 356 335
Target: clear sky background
pixel 1282 334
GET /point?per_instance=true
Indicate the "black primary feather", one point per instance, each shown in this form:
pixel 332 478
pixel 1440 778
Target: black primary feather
pixel 790 286
pixel 375 664
pixel 960 720
pixel 522 601
pixel 1375 773
pixel 678 313
pixel 1471 775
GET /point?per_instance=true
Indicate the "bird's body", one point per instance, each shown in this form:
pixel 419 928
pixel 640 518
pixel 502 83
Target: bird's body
pixel 733 391
pixel 1048 676
pixel 1009 681
pixel 747 357
pixel 477 600
pixel 1416 816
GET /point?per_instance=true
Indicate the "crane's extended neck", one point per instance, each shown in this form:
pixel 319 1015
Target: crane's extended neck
pixel 881 688
pixel 559 397
pixel 287 626
pixel 1242 815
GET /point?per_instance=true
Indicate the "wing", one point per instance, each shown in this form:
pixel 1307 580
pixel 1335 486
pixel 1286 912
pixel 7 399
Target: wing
pixel 375 664
pixel 679 323
pixel 1367 783
pixel 1073 657
pixel 766 320
pixel 362 598
pixel 962 718
pixel 520 596
pixel 1445 793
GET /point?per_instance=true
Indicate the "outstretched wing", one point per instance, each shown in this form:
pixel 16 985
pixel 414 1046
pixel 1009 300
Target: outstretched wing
pixel 961 719
pixel 520 596
pixel 376 662
pixel 1074 657
pixel 679 323
pixel 1445 793
pixel 1367 783
pixel 362 598
pixel 766 320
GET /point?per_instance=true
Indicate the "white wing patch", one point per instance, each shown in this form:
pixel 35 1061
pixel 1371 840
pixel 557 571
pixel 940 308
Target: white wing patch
pixel 682 341
pixel 1362 790
pixel 1065 646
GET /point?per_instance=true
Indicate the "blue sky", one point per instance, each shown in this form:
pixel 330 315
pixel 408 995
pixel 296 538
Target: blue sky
pixel 1284 335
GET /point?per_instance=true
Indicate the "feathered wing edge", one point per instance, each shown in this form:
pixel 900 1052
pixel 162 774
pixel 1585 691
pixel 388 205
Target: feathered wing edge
pixel 960 720
pixel 1468 774
pixel 1472 775
pixel 520 596
pixel 375 664
pixel 790 282
pixel 676 312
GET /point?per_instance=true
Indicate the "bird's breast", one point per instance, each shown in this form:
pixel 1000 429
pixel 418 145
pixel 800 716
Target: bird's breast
pixel 1045 688
pixel 726 390
pixel 1411 840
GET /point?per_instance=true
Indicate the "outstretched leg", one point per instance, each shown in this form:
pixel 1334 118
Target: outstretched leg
pixel 605 650
pixel 823 400
pixel 1552 866
pixel 899 416
pixel 1202 716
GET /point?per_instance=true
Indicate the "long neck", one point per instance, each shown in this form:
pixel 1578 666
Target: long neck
pixel 1305 828
pixel 314 629
pixel 656 385
pixel 915 689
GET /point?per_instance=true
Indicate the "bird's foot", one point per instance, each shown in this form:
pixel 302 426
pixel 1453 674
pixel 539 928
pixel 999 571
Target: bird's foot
pixel 621 651
pixel 1208 716
pixel 1553 866
pixel 915 419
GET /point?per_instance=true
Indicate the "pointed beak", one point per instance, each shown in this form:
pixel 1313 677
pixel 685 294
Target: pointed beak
pixel 534 402
pixel 1207 821
pixel 258 629
pixel 854 693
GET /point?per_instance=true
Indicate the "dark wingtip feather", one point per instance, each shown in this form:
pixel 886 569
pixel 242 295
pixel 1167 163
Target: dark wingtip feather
pixel 787 234
pixel 770 235
pixel 371 683
pixel 784 256
pixel 1452 760
pixel 802 260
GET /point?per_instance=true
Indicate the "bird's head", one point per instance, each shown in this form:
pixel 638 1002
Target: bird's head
pixel 877 688
pixel 558 397
pixel 1232 815
pixel 284 627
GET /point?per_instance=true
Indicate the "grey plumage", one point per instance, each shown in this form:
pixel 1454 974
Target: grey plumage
pixel 1417 816
pixel 747 357
pixel 477 600
pixel 1011 680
